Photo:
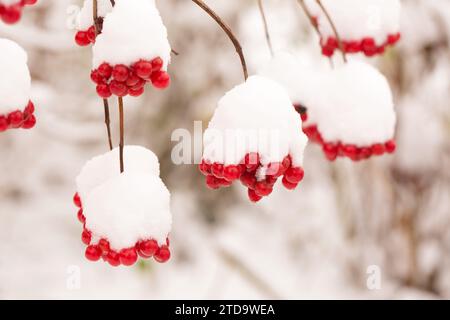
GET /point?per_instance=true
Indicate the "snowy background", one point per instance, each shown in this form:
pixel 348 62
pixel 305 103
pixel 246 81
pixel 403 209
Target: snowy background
pixel 316 242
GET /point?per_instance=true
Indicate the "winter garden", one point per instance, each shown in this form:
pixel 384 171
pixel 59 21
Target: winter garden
pixel 314 149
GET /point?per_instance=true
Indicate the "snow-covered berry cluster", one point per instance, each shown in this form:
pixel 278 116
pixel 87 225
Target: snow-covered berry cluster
pixel 86 32
pixel 364 26
pixel 132 50
pixel 16 109
pixel 254 137
pixel 11 10
pixel 125 216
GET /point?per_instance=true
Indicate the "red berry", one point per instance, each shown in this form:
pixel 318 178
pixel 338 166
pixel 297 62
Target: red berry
pixel 104 245
pixel 128 257
pixel 96 77
pixel 120 73
pixel 248 180
pixel 136 92
pixel 365 153
pixel 147 248
pixel 217 170
pixel 331 151
pixel 350 151
pixel 294 175
pixel 391 146
pixel 30 122
pixel 132 80
pixel 157 64
pixel 143 69
pixel 86 237
pixel 369 46
pixel 163 254
pixel 105 70
pixel 113 258
pixel 15 119
pixel 160 79
pixel 82 39
pixel 103 91
pixel 378 149
pixel 29 108
pixel 91 34
pixel 81 217
pixel 4 124
pixel 77 200
pixel 205 168
pixel 118 88
pixel 253 196
pixel 93 253
pixel 212 182
pixel 263 189
pixel 252 161
pixel 231 173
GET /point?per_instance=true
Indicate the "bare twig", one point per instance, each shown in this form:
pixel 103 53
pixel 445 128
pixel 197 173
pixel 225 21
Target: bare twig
pixel 122 133
pixel 266 27
pixel 310 17
pixel 175 52
pixel 228 31
pixel 97 27
pixel 333 26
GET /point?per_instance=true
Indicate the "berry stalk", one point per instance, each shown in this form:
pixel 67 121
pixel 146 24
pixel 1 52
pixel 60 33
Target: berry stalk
pixel 266 27
pixel 122 142
pixel 228 31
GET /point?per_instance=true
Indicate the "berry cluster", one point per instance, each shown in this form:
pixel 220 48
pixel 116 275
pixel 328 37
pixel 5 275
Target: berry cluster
pixel 368 46
pixel 333 150
pixel 85 38
pixel 121 80
pixel 145 249
pixel 218 175
pixel 19 119
pixel 12 13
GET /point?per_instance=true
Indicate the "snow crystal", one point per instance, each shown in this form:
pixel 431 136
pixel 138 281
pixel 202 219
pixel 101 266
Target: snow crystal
pixel 130 207
pixel 132 31
pixel 256 116
pixel 358 19
pixel 104 167
pixel 15 80
pixel 357 106
pixel 85 18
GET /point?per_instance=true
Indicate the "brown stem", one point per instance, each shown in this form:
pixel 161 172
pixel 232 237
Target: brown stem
pixel 310 16
pixel 113 3
pixel 228 31
pixel 122 130
pixel 333 26
pixel 266 27
pixel 97 27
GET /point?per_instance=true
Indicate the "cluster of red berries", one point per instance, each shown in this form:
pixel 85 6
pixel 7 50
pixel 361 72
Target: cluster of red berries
pixel 145 249
pixel 333 150
pixel 12 13
pixel 85 38
pixel 367 45
pixel 120 80
pixel 219 175
pixel 19 119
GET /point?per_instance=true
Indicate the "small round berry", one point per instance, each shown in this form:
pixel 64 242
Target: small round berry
pixel 93 253
pixel 391 146
pixel 118 88
pixel 81 216
pixel 4 124
pixel 132 80
pixel 289 185
pixel 248 180
pixel 253 196
pixel 82 39
pixel 263 189
pixel 147 248
pixel 105 70
pixel 157 64
pixel 205 168
pixel 30 122
pixel 128 257
pixel 113 258
pixel 217 170
pixel 91 34
pixel 366 153
pixel 294 175
pixel 86 237
pixel 143 69
pixel 103 91
pixel 120 73
pixel 350 151
pixel 97 78
pixel 15 119
pixel 212 182
pixel 136 92
pixel 331 151
pixel 378 149
pixel 160 79
pixel 103 244
pixel 77 200
pixel 231 173
pixel 29 109
pixel 163 254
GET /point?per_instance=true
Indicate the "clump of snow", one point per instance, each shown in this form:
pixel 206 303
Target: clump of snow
pixel 256 116
pixel 15 80
pixel 356 106
pixel 358 19
pixel 127 208
pixel 132 31
pixel 104 167
pixel 85 18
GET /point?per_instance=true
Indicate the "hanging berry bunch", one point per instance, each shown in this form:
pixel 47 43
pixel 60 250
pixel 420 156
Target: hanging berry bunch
pixel 131 51
pixel 364 26
pixel 254 138
pixel 124 215
pixel 11 10
pixel 16 109
pixel 85 25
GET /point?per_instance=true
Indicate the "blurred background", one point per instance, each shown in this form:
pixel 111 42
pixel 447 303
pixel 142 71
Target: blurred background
pixel 319 241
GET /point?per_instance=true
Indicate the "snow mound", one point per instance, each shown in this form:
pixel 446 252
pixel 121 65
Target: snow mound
pixel 102 168
pixel 129 207
pixel 15 80
pixel 132 31
pixel 85 18
pixel 255 117
pixel 358 19
pixel 357 106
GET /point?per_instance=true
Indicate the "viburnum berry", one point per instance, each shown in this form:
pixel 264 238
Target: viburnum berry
pixel 113 258
pixel 160 79
pixel 128 257
pixel 163 254
pixel 104 91
pixel 82 38
pixel 143 69
pixel 147 248
pixel 253 196
pixel 77 200
pixel 93 253
pixel 86 237
pixel 120 73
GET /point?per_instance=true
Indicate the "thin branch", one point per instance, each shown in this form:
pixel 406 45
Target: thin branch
pixel 333 26
pixel 266 27
pixel 228 31
pixel 175 52
pixel 97 27
pixel 122 131
pixel 310 17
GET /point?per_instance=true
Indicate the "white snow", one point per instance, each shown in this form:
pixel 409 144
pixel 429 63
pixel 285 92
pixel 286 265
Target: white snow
pixel 104 167
pixel 356 106
pixel 256 116
pixel 15 80
pixel 357 19
pixel 9 2
pixel 127 208
pixel 85 18
pixel 132 31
